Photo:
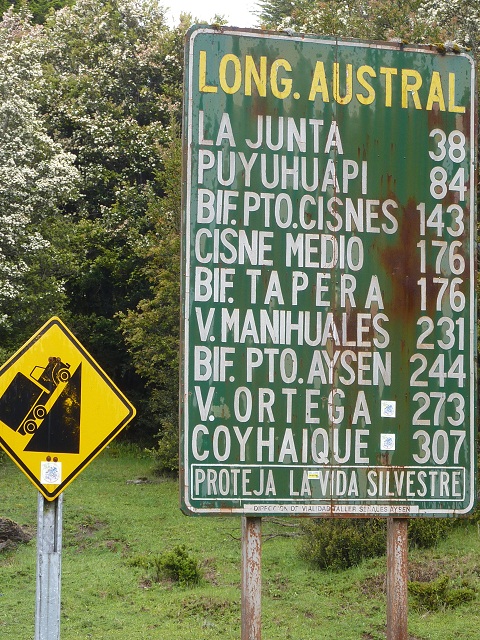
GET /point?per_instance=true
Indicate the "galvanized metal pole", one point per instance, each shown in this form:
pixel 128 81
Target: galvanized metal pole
pixel 49 565
pixel 251 578
pixel 397 576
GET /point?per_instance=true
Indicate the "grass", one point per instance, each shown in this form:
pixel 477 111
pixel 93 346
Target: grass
pixel 114 527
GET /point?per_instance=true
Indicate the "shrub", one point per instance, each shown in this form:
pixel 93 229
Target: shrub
pixel 178 566
pixel 339 544
pixel 439 594
pixel 425 533
pixel 165 456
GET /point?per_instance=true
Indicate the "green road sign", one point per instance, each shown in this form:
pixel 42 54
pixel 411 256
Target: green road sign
pixel 329 334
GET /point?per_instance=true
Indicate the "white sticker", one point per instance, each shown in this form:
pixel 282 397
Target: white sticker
pixel 388 408
pixel 387 442
pixel 51 472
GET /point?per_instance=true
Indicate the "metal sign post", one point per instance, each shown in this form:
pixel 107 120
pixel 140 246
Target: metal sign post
pixel 397 579
pixel 49 564
pixel 251 578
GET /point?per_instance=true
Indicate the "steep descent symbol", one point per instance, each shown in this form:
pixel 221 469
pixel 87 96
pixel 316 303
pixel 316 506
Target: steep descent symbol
pixel 46 405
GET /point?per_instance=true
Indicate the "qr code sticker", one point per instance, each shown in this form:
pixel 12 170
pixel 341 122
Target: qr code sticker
pixel 388 408
pixel 387 442
pixel 51 473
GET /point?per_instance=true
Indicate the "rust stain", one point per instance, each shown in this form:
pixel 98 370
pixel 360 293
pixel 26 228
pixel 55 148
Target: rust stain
pixel 251 578
pixel 397 579
pixel 401 264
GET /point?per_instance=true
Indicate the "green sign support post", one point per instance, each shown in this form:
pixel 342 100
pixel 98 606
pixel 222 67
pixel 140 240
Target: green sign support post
pixel 329 306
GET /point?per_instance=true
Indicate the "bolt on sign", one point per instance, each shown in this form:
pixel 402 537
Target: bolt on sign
pixel 58 408
pixel 328 297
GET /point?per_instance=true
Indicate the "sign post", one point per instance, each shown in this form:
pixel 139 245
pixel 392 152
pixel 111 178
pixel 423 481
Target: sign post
pixel 329 270
pixel 49 570
pixel 397 578
pixel 251 578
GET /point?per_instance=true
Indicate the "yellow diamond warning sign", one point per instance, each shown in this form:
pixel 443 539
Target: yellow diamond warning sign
pixel 58 408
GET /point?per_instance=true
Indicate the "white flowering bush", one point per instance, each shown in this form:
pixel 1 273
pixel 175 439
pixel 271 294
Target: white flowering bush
pixel 410 21
pixel 111 93
pixel 459 20
pixel 113 76
pixel 37 177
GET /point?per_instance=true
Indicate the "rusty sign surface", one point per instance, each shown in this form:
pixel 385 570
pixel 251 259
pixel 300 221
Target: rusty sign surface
pixel 329 335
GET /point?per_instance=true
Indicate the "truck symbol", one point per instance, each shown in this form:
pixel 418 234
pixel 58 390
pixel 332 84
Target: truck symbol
pixel 28 399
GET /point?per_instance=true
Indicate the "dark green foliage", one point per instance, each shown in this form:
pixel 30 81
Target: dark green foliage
pixel 39 9
pixel 439 594
pixel 177 566
pixel 114 73
pixel 152 329
pixel 472 518
pixel 425 533
pixel 340 544
pixel 166 453
pixel 107 86
pixel 6 4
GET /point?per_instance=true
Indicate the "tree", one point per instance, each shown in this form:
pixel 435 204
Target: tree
pixel 37 179
pixel 456 20
pixel 273 14
pixel 114 76
pixel 152 329
pixel 412 21
pixel 39 9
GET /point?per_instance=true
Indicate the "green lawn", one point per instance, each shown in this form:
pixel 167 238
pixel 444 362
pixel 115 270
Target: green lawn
pixel 112 525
